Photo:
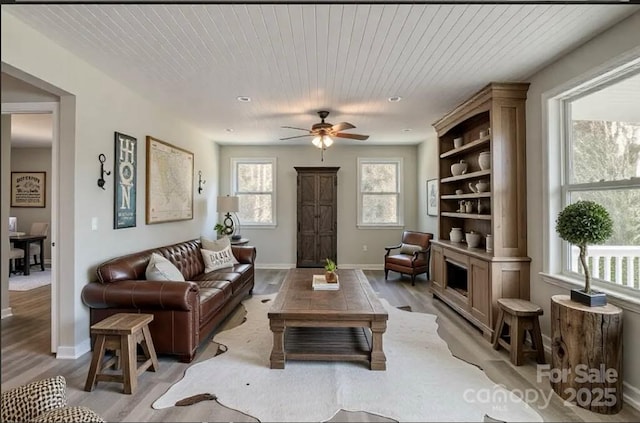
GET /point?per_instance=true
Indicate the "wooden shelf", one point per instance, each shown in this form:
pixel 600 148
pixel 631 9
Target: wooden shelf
pixel 481 142
pixel 471 175
pixel 504 270
pixel 466 196
pixel 467 215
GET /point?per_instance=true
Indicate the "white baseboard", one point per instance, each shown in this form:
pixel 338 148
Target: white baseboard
pixel 340 266
pixel 275 266
pixel 71 353
pixel 367 266
pixel 7 312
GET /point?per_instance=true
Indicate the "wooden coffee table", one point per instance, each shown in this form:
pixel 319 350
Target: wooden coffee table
pixel 342 325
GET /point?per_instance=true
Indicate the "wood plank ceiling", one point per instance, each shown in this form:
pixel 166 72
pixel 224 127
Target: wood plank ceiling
pixel 296 59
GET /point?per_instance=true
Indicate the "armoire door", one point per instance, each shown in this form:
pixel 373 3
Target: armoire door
pixel 317 215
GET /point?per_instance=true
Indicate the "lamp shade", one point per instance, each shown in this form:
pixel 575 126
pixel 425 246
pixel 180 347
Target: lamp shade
pixel 227 204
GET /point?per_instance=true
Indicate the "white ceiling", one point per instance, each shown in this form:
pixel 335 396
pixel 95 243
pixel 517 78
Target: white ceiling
pixel 296 59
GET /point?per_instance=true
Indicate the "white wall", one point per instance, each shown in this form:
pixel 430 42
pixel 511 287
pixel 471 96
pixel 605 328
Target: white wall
pixel 33 160
pixel 619 40
pixel 277 247
pixel 5 162
pixel 427 169
pixel 93 107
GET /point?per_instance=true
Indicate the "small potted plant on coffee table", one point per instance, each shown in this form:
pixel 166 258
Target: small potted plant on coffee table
pixel 583 223
pixel 330 274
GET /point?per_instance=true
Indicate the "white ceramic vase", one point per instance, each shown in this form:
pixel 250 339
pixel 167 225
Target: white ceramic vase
pixel 484 160
pixel 455 235
pixel 459 168
pixel 473 239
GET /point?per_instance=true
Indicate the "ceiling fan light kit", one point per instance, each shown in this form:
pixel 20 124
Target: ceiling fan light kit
pixel 323 132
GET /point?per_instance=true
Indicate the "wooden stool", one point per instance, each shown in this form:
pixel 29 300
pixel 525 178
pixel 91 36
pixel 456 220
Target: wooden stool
pixel 122 332
pixel 522 317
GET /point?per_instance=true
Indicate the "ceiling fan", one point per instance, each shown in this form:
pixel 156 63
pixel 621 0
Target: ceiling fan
pixel 324 132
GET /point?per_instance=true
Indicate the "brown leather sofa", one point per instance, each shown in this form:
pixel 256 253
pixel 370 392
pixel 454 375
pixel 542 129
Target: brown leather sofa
pixel 185 313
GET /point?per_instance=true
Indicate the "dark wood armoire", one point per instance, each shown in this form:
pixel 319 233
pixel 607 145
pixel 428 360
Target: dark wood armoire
pixel 317 215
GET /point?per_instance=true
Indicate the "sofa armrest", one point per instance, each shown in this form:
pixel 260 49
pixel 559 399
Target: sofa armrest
pixel 245 255
pixel 143 294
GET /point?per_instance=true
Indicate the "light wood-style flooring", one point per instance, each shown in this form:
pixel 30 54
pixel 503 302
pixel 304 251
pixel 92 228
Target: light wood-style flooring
pixel 26 357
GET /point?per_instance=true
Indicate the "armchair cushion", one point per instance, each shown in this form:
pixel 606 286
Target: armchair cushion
pixel 409 248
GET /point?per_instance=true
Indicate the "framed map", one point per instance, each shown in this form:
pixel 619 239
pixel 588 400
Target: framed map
pixel 169 182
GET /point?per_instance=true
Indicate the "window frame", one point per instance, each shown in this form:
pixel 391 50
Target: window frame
pixel 398 161
pixel 235 161
pixel 557 167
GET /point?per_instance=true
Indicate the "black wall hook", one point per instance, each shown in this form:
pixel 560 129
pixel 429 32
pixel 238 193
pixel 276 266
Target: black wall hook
pixel 200 182
pixel 102 158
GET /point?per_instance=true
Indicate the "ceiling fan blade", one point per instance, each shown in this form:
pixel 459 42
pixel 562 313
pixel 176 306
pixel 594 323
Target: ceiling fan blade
pixel 293 127
pixel 297 136
pixel 351 136
pixel 342 126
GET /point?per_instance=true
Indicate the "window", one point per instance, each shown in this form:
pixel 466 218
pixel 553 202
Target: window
pixel 601 163
pixel 379 192
pixel 253 181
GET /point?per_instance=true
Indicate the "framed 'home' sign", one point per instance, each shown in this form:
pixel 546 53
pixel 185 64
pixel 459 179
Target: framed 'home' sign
pixel 126 153
pixel 28 189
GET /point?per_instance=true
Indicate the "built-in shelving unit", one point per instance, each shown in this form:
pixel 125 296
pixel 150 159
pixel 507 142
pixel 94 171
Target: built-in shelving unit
pixel 471 279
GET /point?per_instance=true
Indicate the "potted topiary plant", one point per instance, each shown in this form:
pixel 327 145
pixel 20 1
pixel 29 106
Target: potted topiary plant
pixel 583 223
pixel 330 274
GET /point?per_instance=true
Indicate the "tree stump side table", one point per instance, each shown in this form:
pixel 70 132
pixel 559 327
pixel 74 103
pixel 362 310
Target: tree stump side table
pixel 586 354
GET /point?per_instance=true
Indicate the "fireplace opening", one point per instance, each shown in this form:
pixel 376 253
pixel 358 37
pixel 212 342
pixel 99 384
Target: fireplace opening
pixel 457 278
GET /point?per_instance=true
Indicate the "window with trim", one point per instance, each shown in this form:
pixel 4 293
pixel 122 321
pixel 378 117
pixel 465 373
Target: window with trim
pixel 601 163
pixel 253 181
pixel 379 192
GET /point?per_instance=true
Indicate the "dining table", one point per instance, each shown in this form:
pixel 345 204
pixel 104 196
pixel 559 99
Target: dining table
pixel 22 240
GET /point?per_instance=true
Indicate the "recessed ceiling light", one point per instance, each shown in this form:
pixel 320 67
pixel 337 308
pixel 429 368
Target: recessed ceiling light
pixel 229 129
pixel 395 99
pixel 244 98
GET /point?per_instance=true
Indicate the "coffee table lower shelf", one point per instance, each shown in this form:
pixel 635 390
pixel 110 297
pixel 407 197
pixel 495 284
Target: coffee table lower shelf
pixel 327 344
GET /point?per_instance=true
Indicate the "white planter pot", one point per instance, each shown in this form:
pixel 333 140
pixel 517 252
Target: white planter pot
pixel 484 160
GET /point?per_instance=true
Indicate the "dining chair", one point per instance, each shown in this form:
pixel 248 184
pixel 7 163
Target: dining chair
pixel 37 228
pixel 14 254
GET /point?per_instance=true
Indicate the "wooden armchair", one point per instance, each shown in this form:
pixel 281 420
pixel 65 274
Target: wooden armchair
pixel 413 257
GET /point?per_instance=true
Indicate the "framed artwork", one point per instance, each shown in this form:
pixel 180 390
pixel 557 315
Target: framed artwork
pixel 28 189
pixel 125 171
pixel 169 182
pixel 432 197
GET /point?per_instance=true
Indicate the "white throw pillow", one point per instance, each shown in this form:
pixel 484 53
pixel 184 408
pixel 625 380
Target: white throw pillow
pixel 409 248
pixel 161 269
pixel 214 260
pixel 218 245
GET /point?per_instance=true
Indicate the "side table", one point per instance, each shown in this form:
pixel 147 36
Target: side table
pixel 241 241
pixel 586 354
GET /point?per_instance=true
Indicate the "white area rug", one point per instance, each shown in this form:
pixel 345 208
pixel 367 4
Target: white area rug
pixel 36 279
pixel 423 381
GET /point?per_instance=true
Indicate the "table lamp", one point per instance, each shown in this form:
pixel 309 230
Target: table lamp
pixel 229 204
